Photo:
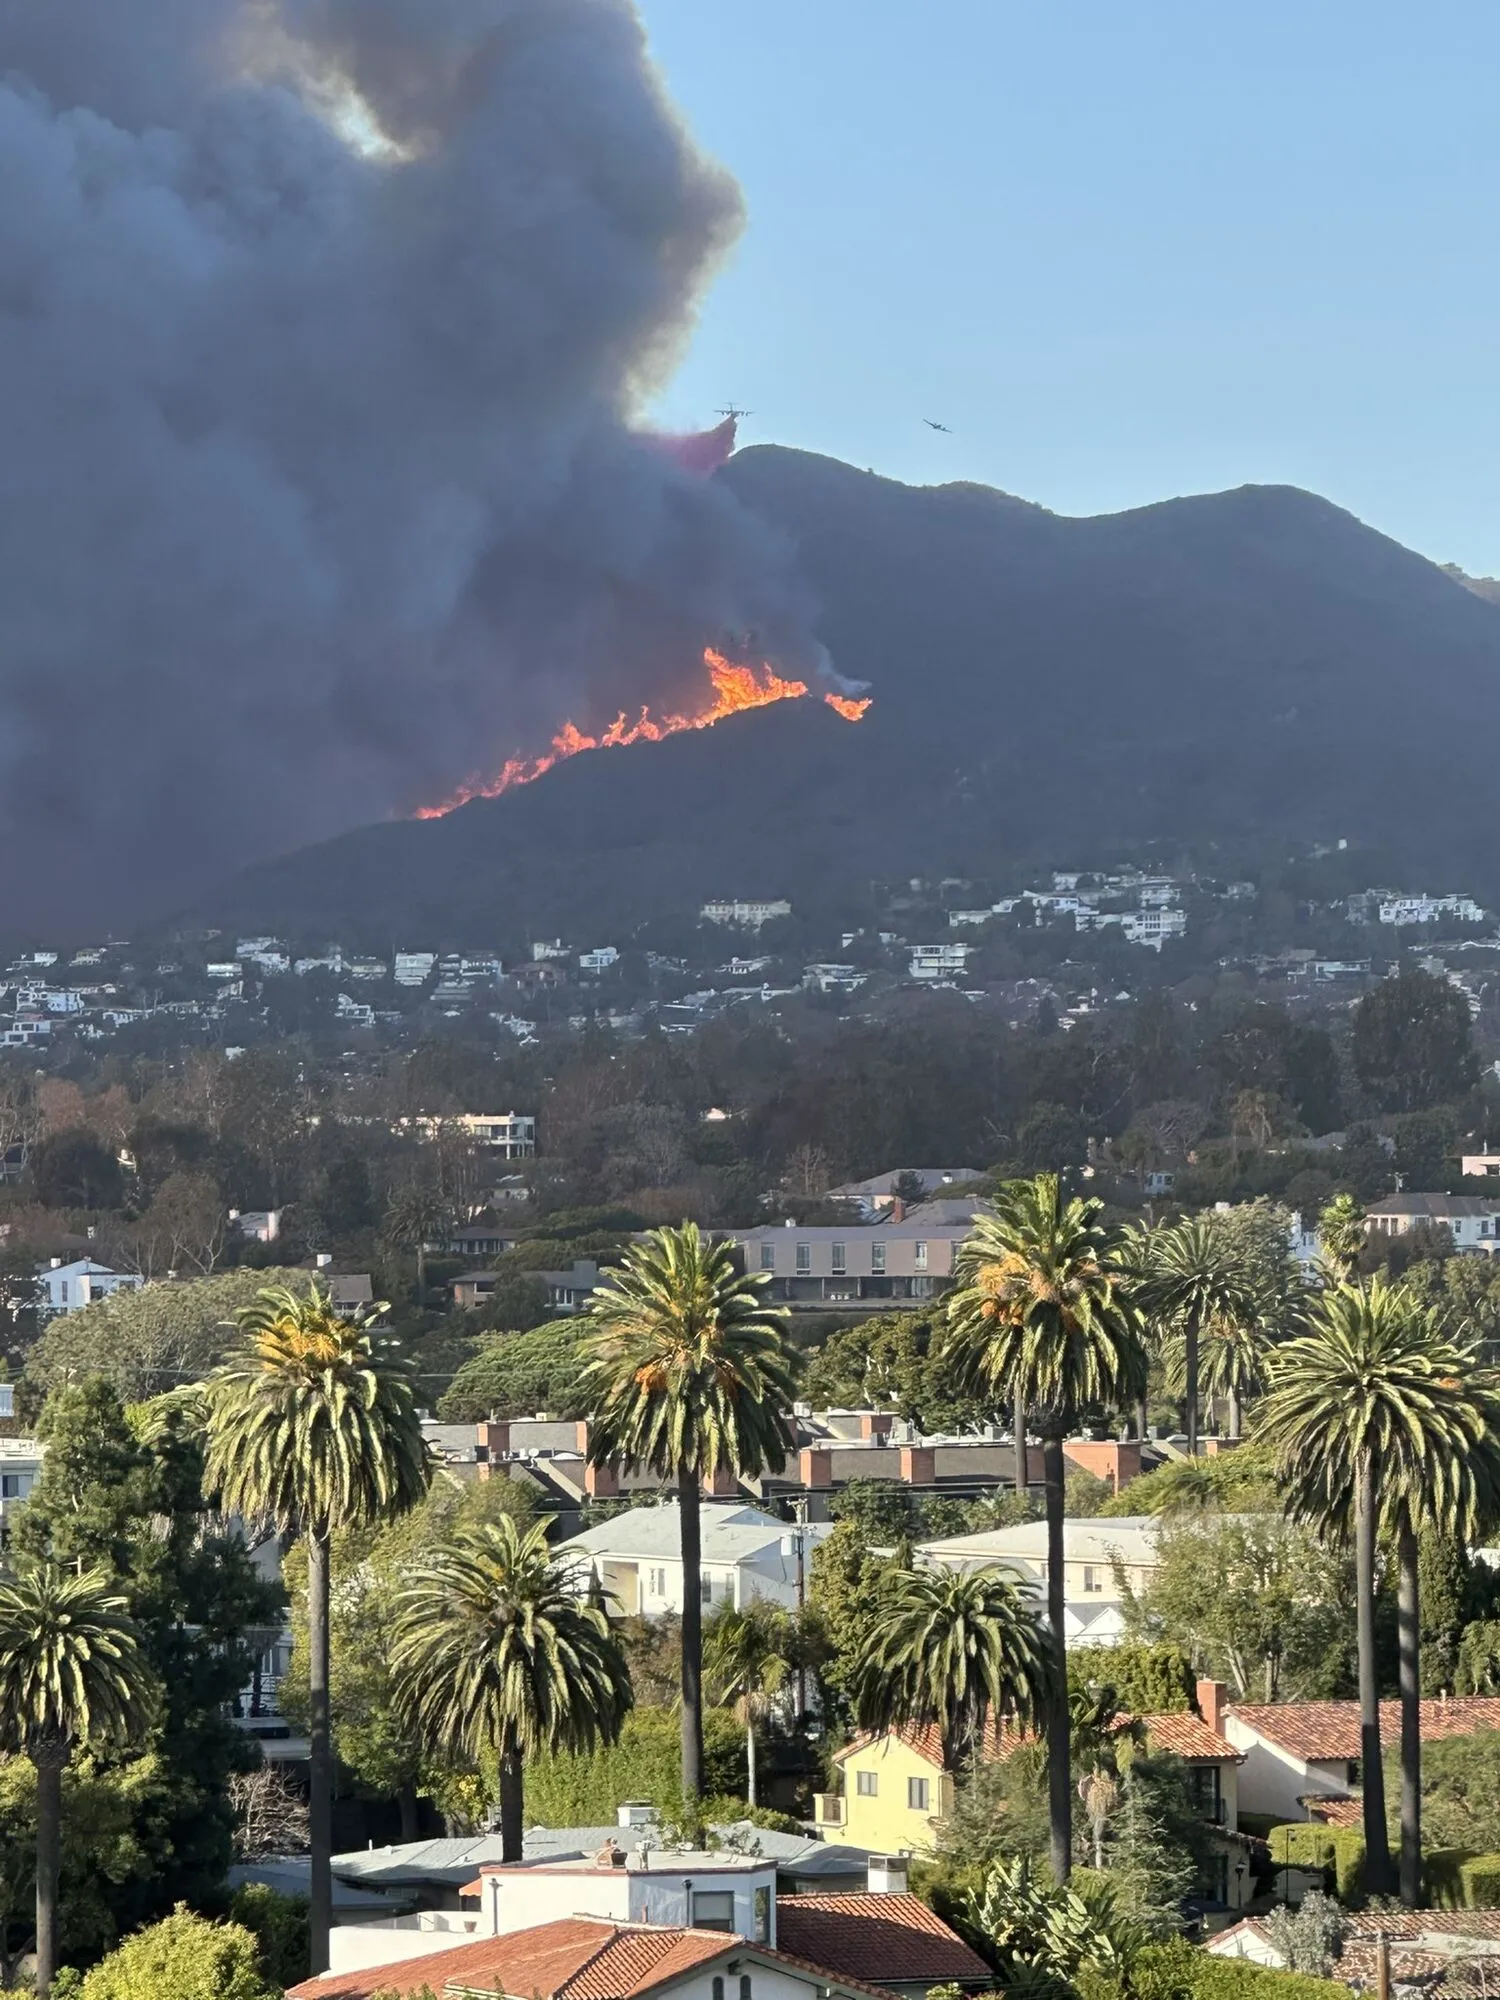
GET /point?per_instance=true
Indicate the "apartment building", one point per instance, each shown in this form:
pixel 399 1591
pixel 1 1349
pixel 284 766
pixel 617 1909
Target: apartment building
pixel 818 1266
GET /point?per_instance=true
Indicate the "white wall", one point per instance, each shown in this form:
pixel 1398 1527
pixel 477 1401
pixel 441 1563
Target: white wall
pixel 1272 1780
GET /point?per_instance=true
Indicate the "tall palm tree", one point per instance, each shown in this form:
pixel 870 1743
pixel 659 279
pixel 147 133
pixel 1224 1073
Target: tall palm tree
pixel 1232 1357
pixel 956 1650
pixel 1195 1276
pixel 307 1429
pixel 71 1672
pixel 496 1651
pixel 1042 1306
pixel 1379 1416
pixel 415 1216
pixel 689 1373
pixel 748 1658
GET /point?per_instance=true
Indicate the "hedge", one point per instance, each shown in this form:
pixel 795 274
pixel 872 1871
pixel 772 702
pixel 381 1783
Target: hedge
pixel 1339 1851
pixel 646 1763
pixel 1170 1971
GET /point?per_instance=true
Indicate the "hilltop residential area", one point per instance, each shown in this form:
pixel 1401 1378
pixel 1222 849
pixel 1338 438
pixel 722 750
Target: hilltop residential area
pixel 711 1532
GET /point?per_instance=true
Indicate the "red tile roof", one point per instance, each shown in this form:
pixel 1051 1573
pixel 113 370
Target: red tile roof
pixel 576 1958
pixel 876 1939
pixel 1188 1735
pixel 1333 1812
pixel 589 1958
pixel 1327 1731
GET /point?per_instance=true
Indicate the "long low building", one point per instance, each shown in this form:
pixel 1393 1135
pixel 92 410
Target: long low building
pixel 810 1266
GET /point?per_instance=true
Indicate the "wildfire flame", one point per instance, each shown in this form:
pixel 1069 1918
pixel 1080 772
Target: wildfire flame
pixel 735 688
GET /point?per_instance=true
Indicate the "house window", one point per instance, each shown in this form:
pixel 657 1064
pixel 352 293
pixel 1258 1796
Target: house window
pixel 916 1794
pixel 1353 1770
pixel 658 1583
pixel 713 1909
pixel 1091 1578
pixel 804 1258
pixel 705 1590
pixel 919 1256
pixel 867 1784
pixel 744 1986
pixel 840 1260
pixel 10 1485
pixel 763 1914
pixel 768 1256
pixel 718 1988
pixel 877 1259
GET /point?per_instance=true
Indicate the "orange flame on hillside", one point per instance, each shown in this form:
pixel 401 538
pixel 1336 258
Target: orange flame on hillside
pixel 735 688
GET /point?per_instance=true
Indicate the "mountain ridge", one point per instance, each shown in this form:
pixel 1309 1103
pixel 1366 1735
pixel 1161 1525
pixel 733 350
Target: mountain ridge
pixel 1250 666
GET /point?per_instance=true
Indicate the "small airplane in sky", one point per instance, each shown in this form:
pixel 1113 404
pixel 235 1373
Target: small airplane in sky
pixel 735 412
pixel 933 425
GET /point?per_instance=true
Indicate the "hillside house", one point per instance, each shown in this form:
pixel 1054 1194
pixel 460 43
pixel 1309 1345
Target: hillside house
pixel 877 1196
pixel 748 1557
pixel 1294 1754
pixel 817 1266
pixel 1473 1220
pixel 68 1288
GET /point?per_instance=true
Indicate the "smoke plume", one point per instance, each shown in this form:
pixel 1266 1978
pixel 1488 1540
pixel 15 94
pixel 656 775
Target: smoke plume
pixel 322 326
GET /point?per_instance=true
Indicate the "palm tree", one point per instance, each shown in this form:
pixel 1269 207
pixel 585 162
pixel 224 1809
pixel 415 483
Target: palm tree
pixel 307 1429
pixel 1379 1416
pixel 497 1652
pixel 71 1672
pixel 690 1374
pixel 1042 1307
pixel 415 1216
pixel 1343 1234
pixel 1231 1365
pixel 956 1650
pixel 748 1658
pixel 1195 1276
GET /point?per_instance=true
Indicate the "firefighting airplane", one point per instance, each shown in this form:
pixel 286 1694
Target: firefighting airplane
pixel 933 425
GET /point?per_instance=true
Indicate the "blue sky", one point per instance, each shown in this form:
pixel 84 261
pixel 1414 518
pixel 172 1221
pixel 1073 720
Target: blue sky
pixel 1126 248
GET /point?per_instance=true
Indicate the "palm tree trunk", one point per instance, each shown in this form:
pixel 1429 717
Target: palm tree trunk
pixel 421 1275
pixel 1019 1420
pixel 49 1760
pixel 1191 1356
pixel 1059 1771
pixel 1234 1411
pixel 1372 1775
pixel 406 1804
pixel 320 1756
pixel 750 1761
pixel 1142 1416
pixel 688 1502
pixel 1408 1626
pixel 512 1800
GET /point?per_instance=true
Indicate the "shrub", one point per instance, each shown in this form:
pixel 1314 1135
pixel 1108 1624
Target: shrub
pixel 1481 1880
pixel 279 1926
pixel 184 1957
pixel 1339 1851
pixel 1442 1876
pixel 1166 1971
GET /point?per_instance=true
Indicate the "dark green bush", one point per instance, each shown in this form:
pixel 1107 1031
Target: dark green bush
pixel 1339 1851
pixel 1481 1881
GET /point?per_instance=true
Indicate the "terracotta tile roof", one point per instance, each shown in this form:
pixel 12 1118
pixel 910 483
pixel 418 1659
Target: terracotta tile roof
pixel 1325 1731
pixel 927 1740
pixel 1188 1735
pixel 589 1958
pixel 577 1958
pixel 1333 1812
pixel 876 1939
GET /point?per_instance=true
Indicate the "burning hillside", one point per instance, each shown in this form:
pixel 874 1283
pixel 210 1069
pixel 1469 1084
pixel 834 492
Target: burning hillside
pixel 735 688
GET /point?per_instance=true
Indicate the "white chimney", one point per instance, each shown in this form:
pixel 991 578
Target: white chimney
pixel 887 1874
pixel 325 1258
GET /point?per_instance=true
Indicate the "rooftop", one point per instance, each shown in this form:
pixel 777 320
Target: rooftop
pixel 1328 1731
pixel 893 1937
pixel 730 1534
pixel 1438 1207
pixel 1133 1537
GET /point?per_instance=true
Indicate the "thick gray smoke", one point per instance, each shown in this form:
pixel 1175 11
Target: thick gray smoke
pixel 321 325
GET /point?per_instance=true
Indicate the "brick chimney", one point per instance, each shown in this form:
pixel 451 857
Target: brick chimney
pixel 815 1468
pixel 1211 1704
pixel 918 1464
pixel 875 1423
pixel 601 1482
pixel 494 1437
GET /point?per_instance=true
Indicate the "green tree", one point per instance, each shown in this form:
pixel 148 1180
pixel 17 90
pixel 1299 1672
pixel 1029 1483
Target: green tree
pixel 1142 1678
pixel 894 1362
pixel 184 1957
pixel 374 1736
pixel 691 1375
pixel 748 1658
pixel 1257 1602
pixel 1413 1044
pixel 75 1169
pixel 956 1650
pixel 496 1654
pixel 1461 1791
pixel 846 1594
pixel 309 1431
pixel 520 1373
pixel 1195 1276
pixel 1342 1231
pixel 1040 1311
pixel 148 1341
pixel 417 1217
pixel 1378 1414
pixel 123 1491
pixel 71 1673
